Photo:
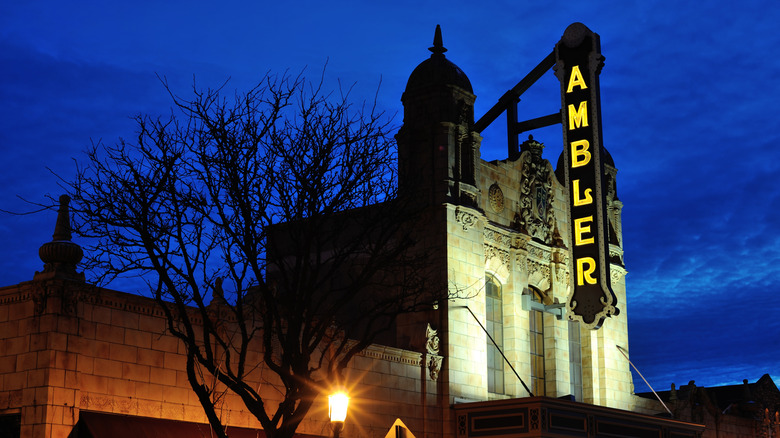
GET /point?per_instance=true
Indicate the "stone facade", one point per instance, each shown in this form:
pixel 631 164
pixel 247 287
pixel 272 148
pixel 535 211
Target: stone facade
pixel 507 220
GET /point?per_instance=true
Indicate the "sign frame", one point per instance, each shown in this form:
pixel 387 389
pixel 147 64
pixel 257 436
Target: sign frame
pixel 578 63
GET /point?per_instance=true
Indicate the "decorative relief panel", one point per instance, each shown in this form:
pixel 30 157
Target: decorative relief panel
pixel 536 269
pixel 433 359
pixel 519 242
pixel 562 272
pixel 496 198
pixel 431 340
pixel 539 253
pixel 466 218
pixel 616 274
pixel 536 216
pixel 539 276
pixel 501 254
pixel 520 263
pixel 500 239
pixel 616 255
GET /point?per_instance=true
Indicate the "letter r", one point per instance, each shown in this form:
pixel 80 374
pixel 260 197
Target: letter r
pixel 585 274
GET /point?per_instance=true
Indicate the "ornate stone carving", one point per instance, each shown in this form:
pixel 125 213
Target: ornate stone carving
pixel 466 218
pixel 496 198
pixel 560 259
pixel 563 275
pixel 496 237
pixel 616 255
pixel 432 340
pixel 502 255
pixel 539 253
pixel 520 262
pixel 616 274
pixel 536 216
pixel 519 242
pixel 542 270
pixel 433 360
pixel 434 366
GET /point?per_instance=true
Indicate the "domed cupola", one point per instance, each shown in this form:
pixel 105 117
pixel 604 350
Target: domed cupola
pixel 437 148
pixel 438 91
pixel 437 70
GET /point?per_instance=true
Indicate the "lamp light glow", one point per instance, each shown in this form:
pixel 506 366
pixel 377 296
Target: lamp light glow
pixel 337 407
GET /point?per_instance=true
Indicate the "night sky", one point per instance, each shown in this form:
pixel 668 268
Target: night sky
pixel 689 96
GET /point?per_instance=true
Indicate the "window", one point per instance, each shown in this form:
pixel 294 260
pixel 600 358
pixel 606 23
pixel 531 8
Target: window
pixel 575 360
pixel 10 426
pixel 495 327
pixel 536 333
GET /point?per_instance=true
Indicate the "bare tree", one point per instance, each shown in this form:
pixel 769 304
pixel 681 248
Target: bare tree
pixel 267 222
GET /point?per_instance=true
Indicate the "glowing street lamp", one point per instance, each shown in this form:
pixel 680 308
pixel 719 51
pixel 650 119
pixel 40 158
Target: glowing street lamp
pixel 337 411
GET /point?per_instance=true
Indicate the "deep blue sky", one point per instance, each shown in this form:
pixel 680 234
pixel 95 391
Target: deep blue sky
pixel 689 102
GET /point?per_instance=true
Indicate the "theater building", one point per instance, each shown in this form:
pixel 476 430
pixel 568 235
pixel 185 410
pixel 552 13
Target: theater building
pixel 82 361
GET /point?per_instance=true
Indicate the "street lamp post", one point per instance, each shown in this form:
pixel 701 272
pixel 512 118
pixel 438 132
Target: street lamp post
pixel 337 411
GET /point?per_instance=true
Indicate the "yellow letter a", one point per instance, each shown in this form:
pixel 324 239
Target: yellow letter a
pixel 576 79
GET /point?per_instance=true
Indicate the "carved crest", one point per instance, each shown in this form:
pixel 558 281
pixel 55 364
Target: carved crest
pixel 536 216
pixel 496 198
pixel 466 218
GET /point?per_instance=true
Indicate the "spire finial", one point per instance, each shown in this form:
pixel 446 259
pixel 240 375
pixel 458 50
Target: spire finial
pixel 62 227
pixel 438 46
pixel 60 256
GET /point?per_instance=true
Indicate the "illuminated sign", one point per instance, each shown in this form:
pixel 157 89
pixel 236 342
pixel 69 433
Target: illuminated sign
pixel 578 64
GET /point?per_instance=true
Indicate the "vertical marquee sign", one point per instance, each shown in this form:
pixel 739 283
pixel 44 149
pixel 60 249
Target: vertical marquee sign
pixel 578 64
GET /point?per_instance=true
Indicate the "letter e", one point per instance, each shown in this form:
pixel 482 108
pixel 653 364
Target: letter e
pixel 582 226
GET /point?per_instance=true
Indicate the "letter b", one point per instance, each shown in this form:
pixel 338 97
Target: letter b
pixel 580 155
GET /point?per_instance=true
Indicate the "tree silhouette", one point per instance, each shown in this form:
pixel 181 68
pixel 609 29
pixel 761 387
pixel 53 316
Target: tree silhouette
pixel 268 222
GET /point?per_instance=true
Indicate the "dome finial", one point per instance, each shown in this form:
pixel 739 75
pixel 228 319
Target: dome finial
pixel 438 46
pixel 60 256
pixel 62 226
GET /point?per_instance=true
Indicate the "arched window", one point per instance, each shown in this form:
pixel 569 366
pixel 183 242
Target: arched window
pixel 494 319
pixel 536 333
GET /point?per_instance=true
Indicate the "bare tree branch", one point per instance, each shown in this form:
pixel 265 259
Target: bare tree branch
pixel 270 221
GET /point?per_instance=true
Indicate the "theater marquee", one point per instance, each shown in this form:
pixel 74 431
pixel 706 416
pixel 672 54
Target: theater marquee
pixel 578 63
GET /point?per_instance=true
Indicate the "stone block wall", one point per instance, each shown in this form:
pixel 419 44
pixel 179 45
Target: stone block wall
pixel 111 353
